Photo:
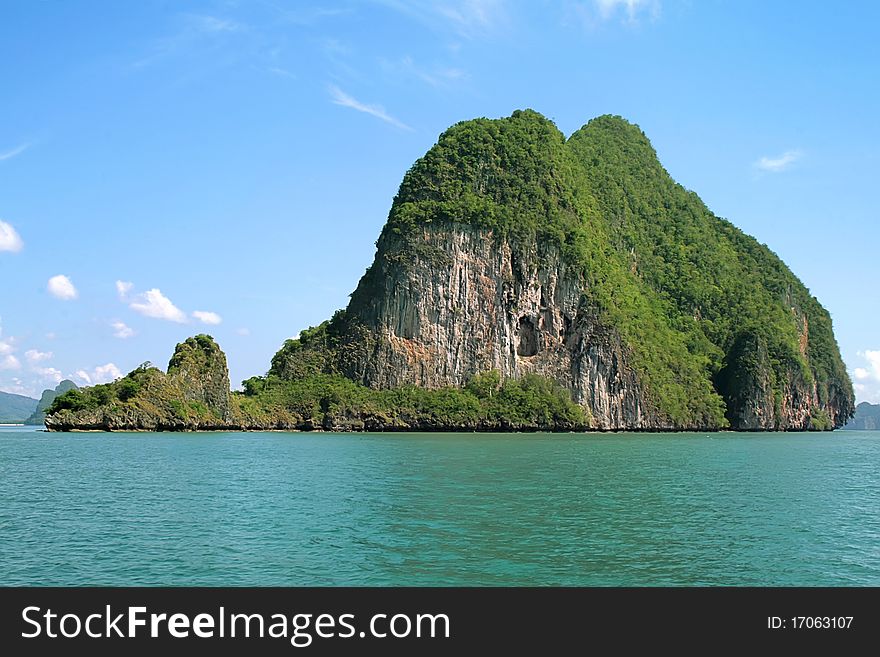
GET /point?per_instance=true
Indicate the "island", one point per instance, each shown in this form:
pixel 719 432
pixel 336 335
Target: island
pixel 38 417
pixel 524 281
pixel 866 418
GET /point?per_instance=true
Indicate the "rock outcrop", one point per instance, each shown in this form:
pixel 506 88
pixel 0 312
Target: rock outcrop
pixel 193 395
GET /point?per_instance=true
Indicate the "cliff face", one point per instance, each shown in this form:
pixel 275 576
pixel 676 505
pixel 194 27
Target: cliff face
pixel 447 304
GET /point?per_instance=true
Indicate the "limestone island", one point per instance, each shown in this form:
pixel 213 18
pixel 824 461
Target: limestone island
pixel 524 281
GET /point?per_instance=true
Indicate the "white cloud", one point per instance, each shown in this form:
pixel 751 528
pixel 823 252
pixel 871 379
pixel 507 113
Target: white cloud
pixel 18 150
pixel 49 373
pixel 777 164
pixel 207 317
pixel 341 98
pixel 34 356
pixel 101 374
pixel 106 373
pixel 153 303
pixel 873 358
pixel 9 239
pixel 123 288
pixel 473 17
pixel 867 377
pixel 7 347
pixel 121 330
pixel 243 331
pixel 18 388
pixel 62 288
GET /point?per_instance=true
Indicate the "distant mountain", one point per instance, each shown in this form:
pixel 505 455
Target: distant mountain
pixel 867 418
pixel 39 415
pixel 14 409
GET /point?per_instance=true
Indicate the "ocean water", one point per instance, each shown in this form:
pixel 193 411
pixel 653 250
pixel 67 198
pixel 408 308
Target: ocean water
pixel 439 509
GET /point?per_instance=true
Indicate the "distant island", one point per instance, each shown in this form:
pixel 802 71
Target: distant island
pixel 20 409
pixel 867 418
pixel 14 409
pixel 525 281
pixel 38 417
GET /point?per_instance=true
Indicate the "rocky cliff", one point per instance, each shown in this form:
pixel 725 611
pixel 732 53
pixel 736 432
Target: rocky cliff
pixel 528 281
pixel 463 302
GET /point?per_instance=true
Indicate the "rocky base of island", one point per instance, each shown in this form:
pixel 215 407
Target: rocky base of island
pixel 194 395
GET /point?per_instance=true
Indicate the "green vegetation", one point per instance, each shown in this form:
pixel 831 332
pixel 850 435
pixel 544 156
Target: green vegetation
pixel 712 283
pixel 332 401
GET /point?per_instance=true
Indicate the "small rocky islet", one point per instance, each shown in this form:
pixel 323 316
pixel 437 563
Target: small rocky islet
pixel 524 281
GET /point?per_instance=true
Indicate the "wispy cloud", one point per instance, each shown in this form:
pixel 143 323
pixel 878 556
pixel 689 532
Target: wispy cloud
pixel 61 287
pixel 631 8
pixel 194 33
pixel 469 19
pixel 9 362
pixel 213 24
pixel 593 13
pixel 339 97
pixel 282 72
pixel 9 239
pixel 780 163
pixel 123 288
pixel 439 76
pixel 309 16
pixel 18 150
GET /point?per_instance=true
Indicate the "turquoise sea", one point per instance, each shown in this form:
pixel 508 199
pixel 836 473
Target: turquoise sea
pixel 439 509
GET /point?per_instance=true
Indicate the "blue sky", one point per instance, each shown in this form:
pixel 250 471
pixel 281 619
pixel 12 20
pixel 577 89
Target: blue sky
pixel 168 168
